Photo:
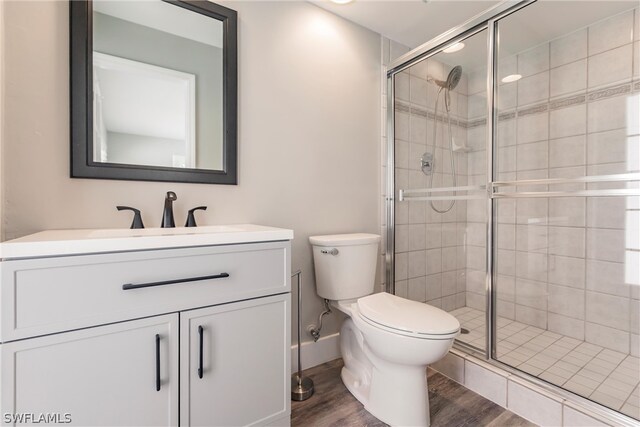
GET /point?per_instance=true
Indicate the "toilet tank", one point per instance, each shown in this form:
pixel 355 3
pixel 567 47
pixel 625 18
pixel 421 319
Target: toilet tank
pixel 345 265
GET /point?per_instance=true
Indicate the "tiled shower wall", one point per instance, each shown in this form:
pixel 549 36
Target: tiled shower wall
pixel 477 175
pixel 430 257
pixel 567 264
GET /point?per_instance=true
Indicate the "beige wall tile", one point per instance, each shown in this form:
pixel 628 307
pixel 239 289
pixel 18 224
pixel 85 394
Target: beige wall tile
pixel 569 48
pixel 610 33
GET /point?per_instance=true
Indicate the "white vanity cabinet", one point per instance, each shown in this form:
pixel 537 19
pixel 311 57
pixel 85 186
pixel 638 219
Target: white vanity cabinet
pixel 242 346
pixel 120 374
pixel 158 333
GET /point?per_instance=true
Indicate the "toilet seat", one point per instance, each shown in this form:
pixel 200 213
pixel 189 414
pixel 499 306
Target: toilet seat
pixel 405 317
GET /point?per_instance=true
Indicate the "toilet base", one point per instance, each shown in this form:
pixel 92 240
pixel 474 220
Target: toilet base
pixel 390 405
pixel 358 389
pixel 399 395
pixel 356 373
pixel 395 394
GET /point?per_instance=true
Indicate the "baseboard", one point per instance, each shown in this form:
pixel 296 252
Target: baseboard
pixel 313 354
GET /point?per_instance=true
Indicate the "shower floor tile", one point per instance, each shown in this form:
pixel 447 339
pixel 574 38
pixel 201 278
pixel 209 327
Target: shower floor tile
pixel 608 377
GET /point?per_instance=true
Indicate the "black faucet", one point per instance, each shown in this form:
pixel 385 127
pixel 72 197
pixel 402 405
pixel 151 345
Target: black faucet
pixel 167 214
pixel 137 219
pixel 191 218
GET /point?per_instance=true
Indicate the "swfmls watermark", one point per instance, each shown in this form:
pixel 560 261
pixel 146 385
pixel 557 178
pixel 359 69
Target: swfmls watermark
pixel 36 418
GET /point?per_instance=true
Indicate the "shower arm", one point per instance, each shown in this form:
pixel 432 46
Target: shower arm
pixel 437 82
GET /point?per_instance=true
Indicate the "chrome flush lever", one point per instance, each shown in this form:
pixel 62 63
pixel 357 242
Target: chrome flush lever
pixel 333 251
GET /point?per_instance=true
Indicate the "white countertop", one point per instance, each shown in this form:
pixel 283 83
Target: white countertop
pixel 71 242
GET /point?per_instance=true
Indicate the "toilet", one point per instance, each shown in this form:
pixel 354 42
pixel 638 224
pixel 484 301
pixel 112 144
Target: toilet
pixel 386 341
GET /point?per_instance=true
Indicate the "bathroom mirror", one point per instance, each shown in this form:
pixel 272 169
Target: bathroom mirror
pixel 153 91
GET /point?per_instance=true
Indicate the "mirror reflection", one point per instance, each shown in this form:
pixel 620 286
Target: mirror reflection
pixel 157 86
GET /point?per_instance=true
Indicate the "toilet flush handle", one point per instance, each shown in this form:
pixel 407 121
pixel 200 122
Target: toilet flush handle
pixel 332 251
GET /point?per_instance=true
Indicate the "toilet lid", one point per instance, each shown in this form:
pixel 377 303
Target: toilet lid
pixel 406 315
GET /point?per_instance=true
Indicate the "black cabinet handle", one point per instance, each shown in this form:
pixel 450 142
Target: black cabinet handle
pixel 200 354
pixel 157 362
pixel 129 286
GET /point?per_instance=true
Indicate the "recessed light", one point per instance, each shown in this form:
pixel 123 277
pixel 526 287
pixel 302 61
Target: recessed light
pixel 341 1
pixel 454 48
pixel 511 78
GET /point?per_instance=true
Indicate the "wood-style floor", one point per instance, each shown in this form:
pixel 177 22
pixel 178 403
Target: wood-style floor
pixel 451 404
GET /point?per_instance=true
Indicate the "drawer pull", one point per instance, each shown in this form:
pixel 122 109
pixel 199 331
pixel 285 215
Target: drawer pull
pixel 129 286
pixel 201 351
pixel 157 362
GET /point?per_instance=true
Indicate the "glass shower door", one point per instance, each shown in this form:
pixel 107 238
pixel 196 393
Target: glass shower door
pixel 567 206
pixel 440 183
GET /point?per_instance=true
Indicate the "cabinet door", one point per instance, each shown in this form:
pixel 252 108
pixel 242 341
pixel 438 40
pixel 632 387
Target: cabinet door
pixel 235 363
pixel 123 374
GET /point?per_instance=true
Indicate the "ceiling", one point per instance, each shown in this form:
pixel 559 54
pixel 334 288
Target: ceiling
pixel 409 22
pixel 414 22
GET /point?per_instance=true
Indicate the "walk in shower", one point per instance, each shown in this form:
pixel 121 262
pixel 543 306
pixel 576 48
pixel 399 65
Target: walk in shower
pixel 514 153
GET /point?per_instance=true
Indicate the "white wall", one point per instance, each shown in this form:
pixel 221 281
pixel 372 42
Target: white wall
pixel 2 131
pixel 309 132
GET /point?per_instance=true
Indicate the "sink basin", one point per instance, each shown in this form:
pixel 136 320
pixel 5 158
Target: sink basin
pixel 69 242
pixel 147 232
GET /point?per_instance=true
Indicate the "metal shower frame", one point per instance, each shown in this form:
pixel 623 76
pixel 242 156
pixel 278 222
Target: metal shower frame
pixel 487 20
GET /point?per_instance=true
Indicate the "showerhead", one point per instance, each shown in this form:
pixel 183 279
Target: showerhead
pixel 452 79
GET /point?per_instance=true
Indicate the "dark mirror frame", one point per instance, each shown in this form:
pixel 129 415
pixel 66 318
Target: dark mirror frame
pixel 81 81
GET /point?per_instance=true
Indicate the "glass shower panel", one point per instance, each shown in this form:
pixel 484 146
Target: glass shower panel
pixel 566 210
pixel 440 168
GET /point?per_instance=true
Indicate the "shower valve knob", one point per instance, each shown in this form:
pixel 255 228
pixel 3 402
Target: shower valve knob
pixel 426 163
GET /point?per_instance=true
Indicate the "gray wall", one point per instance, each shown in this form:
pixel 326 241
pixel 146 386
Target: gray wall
pixel 309 132
pixel 125 39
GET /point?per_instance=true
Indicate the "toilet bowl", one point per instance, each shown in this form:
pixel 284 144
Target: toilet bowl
pixel 386 341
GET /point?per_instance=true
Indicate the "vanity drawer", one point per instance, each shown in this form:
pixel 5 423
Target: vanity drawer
pixel 48 295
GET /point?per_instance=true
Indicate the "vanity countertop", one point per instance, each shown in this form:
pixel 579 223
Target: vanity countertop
pixel 71 242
